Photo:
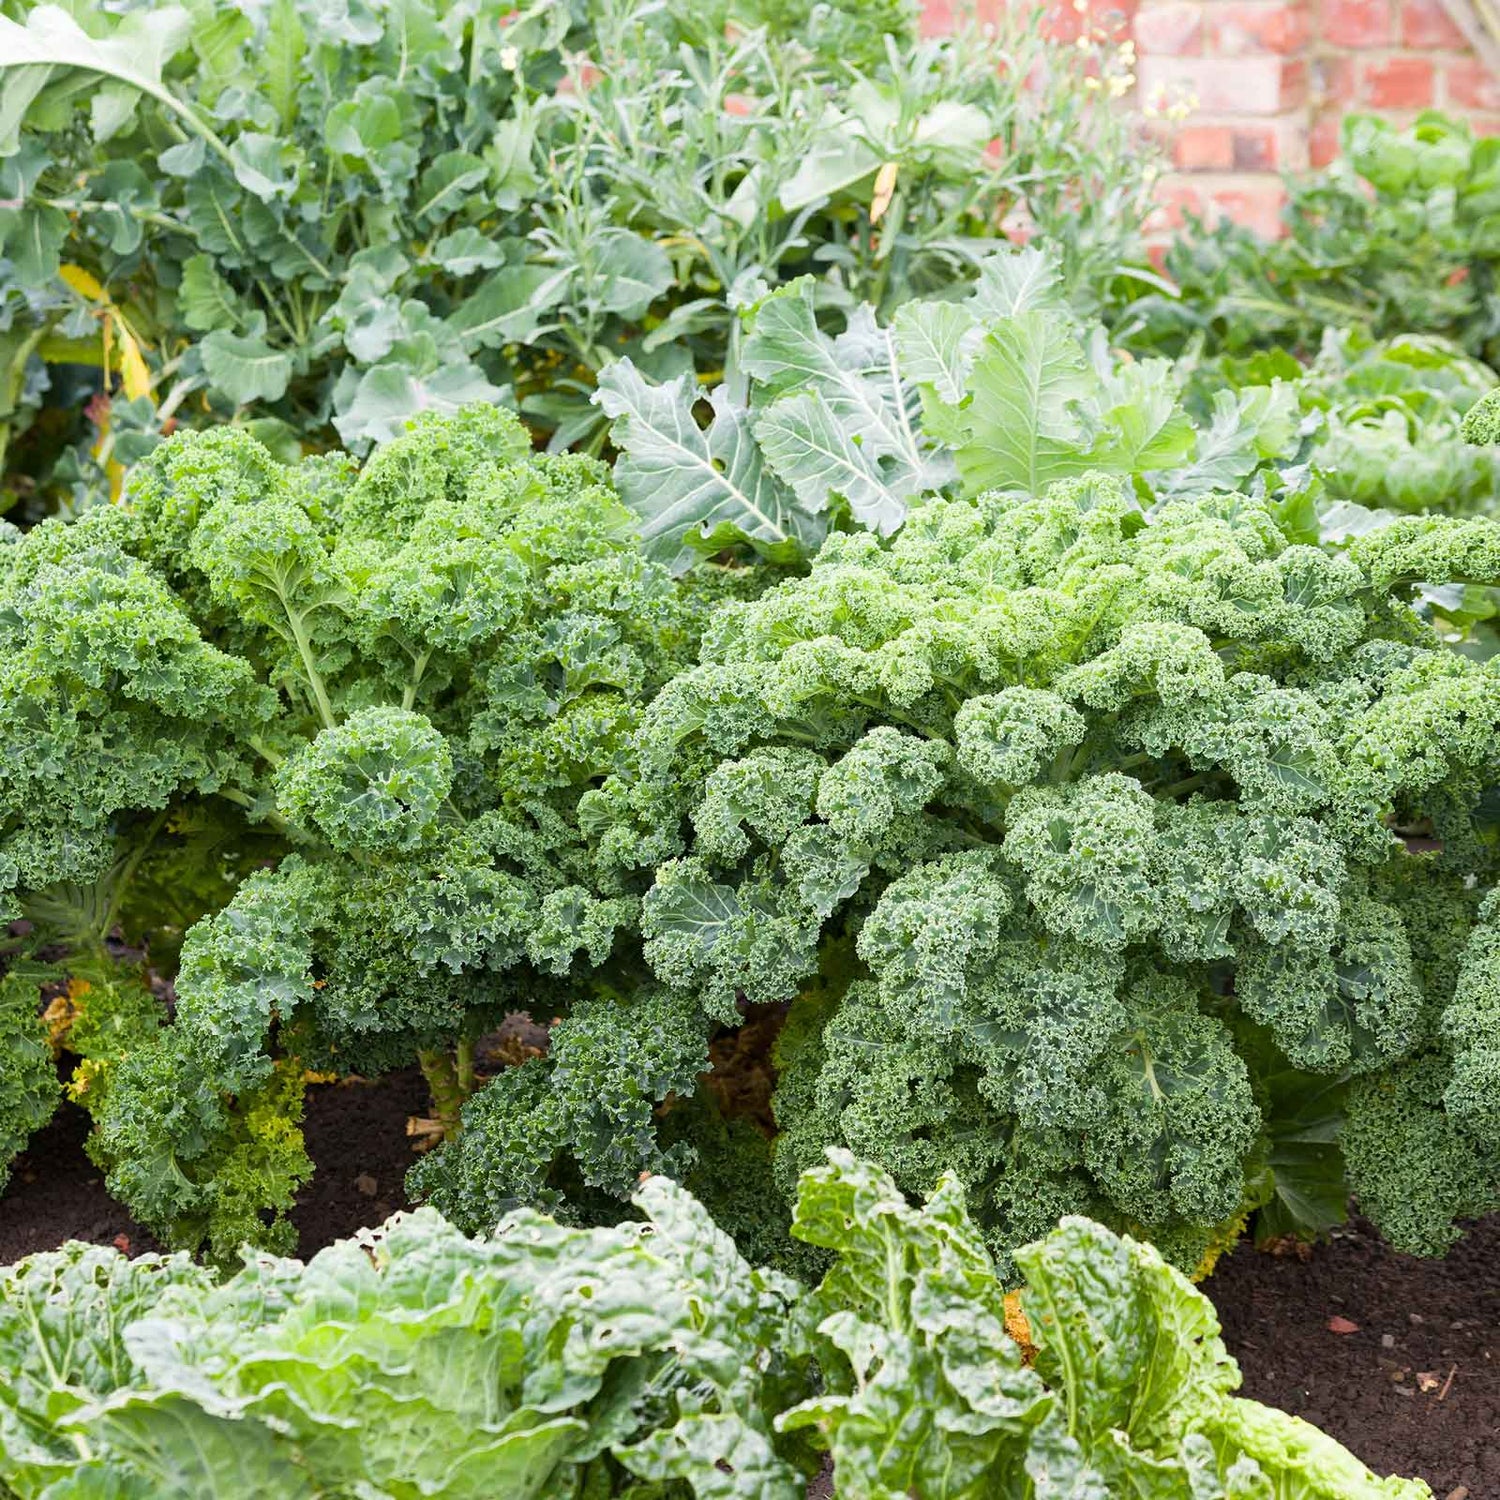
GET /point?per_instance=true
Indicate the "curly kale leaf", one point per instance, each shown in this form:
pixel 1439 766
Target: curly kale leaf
pixel 28 1087
pixel 1100 789
pixel 378 781
pixel 586 1110
pixel 1471 1028
pixel 1412 1165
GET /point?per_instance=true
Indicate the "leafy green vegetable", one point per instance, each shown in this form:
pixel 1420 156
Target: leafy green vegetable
pixel 1001 388
pixel 332 220
pixel 557 1361
pixel 1395 237
pixel 393 685
pixel 1104 798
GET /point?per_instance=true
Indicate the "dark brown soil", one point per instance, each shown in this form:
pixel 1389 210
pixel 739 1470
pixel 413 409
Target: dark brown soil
pixel 1415 1390
pixel 356 1136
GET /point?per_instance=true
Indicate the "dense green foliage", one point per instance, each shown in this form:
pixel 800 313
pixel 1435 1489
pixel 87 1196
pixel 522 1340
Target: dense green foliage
pixel 1078 826
pixel 1006 385
pixel 397 681
pixel 300 214
pixel 647 1361
pixel 1037 712
pixel 1397 236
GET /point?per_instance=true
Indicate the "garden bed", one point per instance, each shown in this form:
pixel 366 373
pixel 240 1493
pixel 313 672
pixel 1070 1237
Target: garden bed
pixel 1441 1317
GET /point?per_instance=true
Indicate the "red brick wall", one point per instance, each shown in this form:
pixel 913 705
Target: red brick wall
pixel 1243 90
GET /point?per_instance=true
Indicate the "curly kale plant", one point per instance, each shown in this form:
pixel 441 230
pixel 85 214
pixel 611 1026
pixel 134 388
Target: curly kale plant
pixel 646 1360
pixel 1078 828
pixel 395 683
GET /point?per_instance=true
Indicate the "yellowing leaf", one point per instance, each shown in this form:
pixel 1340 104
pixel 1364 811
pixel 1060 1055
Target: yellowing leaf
pixel 134 376
pixel 82 282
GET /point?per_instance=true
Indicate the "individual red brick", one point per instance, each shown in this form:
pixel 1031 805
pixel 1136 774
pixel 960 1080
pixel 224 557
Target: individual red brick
pixel 937 17
pixel 1255 203
pixel 1204 148
pixel 1171 30
pixel 1426 23
pixel 1226 86
pixel 1256 148
pixel 1257 26
pixel 1334 80
pixel 1399 83
pixel 1471 85
pixel 1323 141
pixel 1358 23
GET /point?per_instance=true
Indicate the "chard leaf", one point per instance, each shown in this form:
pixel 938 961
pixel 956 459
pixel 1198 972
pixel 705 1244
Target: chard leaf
pixel 1132 1344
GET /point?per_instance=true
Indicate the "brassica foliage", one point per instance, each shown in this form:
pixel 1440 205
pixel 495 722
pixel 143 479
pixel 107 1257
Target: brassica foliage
pixel 645 1360
pixel 1003 386
pixel 394 683
pixel 1394 237
pixel 321 222
pixel 1097 813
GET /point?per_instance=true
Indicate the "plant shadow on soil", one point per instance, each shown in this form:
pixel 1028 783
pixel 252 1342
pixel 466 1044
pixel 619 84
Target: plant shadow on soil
pixel 1415 1390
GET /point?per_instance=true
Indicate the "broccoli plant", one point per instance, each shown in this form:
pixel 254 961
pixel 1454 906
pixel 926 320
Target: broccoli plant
pixel 1081 832
pixel 396 682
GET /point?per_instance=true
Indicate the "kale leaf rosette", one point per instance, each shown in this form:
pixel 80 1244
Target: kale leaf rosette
pixel 1088 838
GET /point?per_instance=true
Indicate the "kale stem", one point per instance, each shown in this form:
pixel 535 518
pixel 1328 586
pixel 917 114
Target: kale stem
pixel 314 677
pixel 442 1083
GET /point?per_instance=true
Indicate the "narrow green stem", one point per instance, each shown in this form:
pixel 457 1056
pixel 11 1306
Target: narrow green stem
pixel 442 1083
pixel 309 665
pixel 419 666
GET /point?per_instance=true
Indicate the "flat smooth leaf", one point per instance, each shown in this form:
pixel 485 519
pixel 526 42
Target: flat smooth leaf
pixel 1018 281
pixel 936 343
pixel 387 397
pixel 1024 428
pixel 207 300
pixel 52 43
pixel 510 306
pixel 445 184
pixel 635 272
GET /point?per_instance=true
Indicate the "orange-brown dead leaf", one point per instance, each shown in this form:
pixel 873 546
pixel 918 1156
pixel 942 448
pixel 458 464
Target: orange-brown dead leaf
pixel 1018 1326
